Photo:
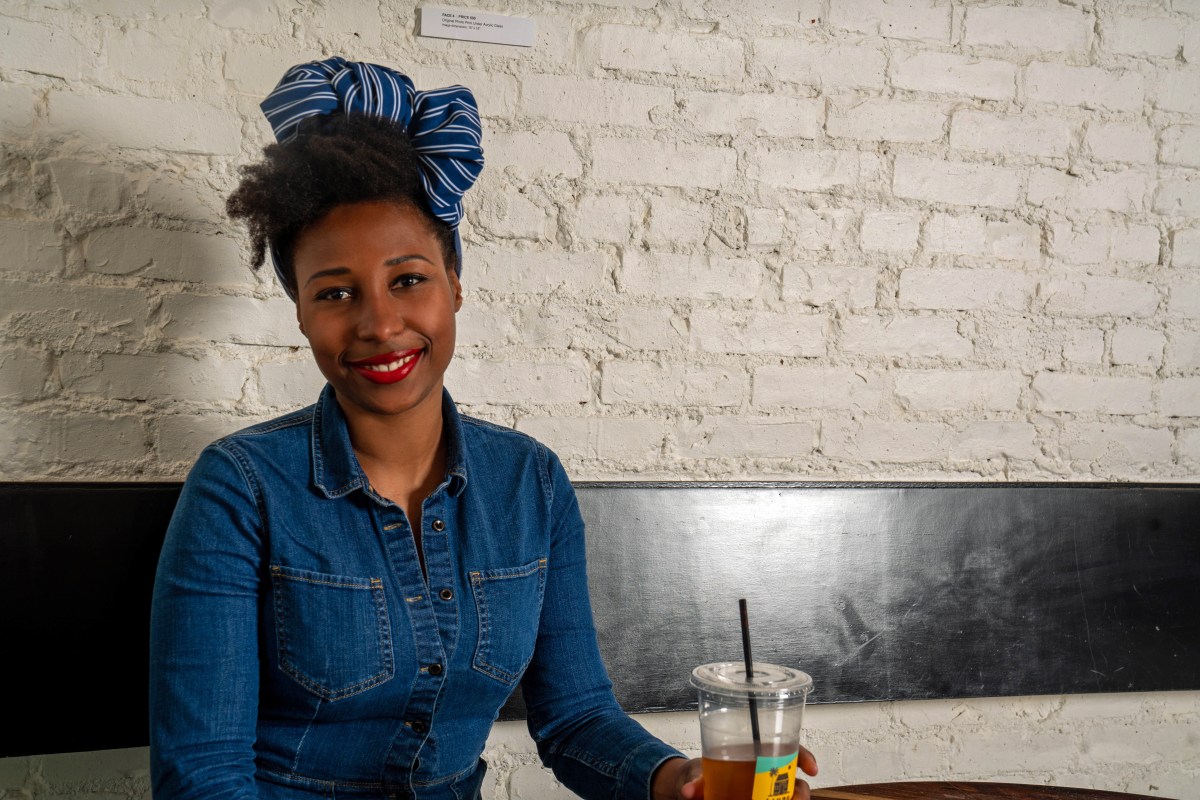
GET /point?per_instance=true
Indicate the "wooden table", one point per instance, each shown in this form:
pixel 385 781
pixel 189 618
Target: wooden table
pixel 949 790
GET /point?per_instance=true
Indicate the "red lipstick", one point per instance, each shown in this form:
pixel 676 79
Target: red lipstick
pixel 390 367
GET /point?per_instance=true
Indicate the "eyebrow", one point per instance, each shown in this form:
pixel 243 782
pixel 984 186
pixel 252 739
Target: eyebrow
pixel 391 262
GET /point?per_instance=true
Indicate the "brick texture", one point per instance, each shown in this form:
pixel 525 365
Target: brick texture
pixel 714 240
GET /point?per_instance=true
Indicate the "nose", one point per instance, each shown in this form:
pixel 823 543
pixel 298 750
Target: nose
pixel 380 316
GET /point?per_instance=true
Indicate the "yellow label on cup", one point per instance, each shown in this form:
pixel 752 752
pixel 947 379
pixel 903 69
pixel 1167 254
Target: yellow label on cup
pixel 774 777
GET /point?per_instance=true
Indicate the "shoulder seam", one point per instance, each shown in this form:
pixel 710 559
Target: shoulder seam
pixel 227 446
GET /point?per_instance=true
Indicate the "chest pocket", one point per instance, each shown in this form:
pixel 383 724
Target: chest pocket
pixel 509 605
pixel 332 631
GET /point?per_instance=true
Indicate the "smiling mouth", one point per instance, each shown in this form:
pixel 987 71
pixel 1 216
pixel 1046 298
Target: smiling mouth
pixel 390 366
pixel 387 367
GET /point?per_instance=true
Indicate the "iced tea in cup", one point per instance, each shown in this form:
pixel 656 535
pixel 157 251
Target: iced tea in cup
pixel 736 766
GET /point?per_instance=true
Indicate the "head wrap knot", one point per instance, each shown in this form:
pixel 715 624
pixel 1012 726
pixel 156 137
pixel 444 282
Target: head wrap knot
pixel 442 124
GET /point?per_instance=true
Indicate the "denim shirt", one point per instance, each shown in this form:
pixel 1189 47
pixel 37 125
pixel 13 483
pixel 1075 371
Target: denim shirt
pixel 298 650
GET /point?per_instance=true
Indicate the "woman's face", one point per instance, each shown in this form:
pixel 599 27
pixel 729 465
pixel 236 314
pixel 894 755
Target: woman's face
pixel 377 304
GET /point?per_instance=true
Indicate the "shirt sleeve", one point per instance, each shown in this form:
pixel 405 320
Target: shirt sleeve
pixel 204 662
pixel 593 747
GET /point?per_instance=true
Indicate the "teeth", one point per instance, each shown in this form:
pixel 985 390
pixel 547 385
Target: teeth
pixel 389 367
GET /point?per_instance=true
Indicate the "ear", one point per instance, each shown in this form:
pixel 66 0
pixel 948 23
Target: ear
pixel 300 321
pixel 456 287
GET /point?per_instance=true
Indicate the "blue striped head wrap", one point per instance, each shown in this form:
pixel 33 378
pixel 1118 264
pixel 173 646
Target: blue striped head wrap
pixel 443 125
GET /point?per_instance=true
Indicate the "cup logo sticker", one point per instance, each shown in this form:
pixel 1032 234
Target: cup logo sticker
pixel 774 777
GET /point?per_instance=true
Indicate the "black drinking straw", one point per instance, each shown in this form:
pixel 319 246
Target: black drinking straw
pixel 750 675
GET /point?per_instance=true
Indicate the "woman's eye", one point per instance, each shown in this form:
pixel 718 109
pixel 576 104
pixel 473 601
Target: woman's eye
pixel 411 279
pixel 334 294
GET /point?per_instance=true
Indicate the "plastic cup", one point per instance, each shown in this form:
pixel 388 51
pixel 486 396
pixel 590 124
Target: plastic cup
pixel 736 767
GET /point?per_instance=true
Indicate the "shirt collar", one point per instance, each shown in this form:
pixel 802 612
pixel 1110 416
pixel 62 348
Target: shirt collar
pixel 336 471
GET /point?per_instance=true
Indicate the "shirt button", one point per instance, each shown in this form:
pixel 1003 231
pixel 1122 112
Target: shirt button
pixel 418 726
pixel 438 525
pixel 446 594
pixel 435 669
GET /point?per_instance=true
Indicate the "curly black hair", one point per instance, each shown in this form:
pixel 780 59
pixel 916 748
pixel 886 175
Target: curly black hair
pixel 334 160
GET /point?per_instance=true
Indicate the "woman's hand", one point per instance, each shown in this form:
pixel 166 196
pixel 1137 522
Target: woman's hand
pixel 680 779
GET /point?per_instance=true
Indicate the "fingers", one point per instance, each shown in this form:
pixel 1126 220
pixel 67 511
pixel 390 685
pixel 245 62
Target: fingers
pixel 693 789
pixel 801 792
pixel 807 761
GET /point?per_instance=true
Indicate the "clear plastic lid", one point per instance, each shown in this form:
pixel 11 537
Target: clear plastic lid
pixel 770 681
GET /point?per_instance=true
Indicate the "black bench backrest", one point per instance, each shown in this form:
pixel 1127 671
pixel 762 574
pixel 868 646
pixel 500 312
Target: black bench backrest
pixel 897 591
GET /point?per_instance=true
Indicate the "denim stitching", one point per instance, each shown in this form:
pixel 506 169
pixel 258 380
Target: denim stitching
pixel 547 480
pixel 383 632
pixel 296 419
pixel 246 470
pixel 447 778
pixel 291 777
pixel 477 582
pixel 605 768
pixel 303 736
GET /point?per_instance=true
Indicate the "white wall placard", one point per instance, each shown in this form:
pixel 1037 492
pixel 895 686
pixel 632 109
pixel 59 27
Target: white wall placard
pixel 476 26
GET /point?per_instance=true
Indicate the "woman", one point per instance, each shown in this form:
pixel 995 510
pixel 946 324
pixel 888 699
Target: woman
pixel 349 593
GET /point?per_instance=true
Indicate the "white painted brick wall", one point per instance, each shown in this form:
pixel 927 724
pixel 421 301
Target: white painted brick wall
pixel 888 120
pixel 42 48
pixel 1118 446
pixel 650 329
pixel 1100 244
pixel 922 20
pixel 815 171
pixel 1089 87
pixel 827 65
pixel 944 390
pixel 30 247
pixel 1157 37
pixel 951 73
pixel 1063 29
pixel 955 182
pixel 1097 296
pixel 153 376
pixel 890 231
pixel 699 276
pixel 651 384
pixel 1123 192
pixel 1081 345
pixel 161 254
pixel 817 387
pixel 675 221
pixel 1092 394
pixel 902 336
pixel 1183 350
pixel 1176 90
pixel 479 382
pixel 759 332
pixel 87 187
pixel 966 289
pixel 1132 142
pixel 626 47
pixel 608 102
pixel 716 239
pixel 824 284
pixel 973 235
pixel 1181 397
pixel 1181 145
pixel 764 114
pixel 739 437
pixel 186 127
pixel 1011 134
pixel 623 161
